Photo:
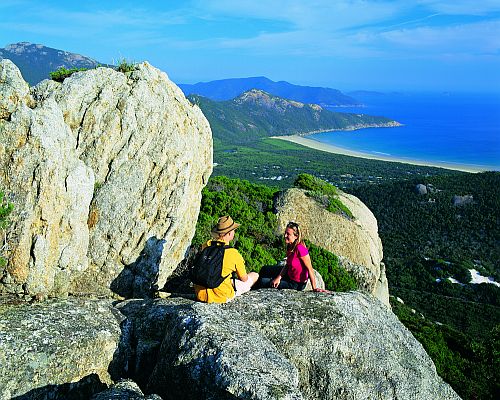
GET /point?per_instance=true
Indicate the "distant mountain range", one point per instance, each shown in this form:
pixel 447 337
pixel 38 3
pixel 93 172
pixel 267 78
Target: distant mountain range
pixel 239 110
pixel 227 89
pixel 256 114
pixel 36 61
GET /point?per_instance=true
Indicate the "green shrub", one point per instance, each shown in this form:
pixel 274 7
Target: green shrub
pixel 323 192
pixel 335 277
pixel 126 66
pixel 5 210
pixel 62 73
pixel 251 206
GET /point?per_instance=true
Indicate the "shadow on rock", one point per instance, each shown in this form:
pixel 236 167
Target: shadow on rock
pixel 179 283
pixel 140 279
pixel 84 389
pixel 143 331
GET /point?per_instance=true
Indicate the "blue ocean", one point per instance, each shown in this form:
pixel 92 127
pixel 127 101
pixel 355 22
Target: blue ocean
pixel 438 127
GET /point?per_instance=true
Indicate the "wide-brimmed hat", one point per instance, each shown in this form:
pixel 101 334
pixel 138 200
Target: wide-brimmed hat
pixel 224 225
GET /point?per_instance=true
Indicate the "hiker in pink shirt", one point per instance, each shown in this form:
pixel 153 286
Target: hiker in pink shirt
pixel 298 268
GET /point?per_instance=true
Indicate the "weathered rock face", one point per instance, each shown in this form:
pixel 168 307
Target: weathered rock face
pixel 54 348
pixel 462 200
pixel 105 172
pixel 421 189
pixel 281 345
pixel 356 242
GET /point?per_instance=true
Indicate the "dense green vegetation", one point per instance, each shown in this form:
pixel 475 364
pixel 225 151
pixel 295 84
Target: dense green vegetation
pixel 470 366
pixel 324 193
pixel 278 162
pixel 428 239
pixel 427 236
pixel 5 210
pixel 257 239
pixel 255 115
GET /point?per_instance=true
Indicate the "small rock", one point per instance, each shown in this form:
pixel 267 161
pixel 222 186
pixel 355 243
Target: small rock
pixel 421 189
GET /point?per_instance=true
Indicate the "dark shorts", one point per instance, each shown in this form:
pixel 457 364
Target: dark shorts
pixel 268 273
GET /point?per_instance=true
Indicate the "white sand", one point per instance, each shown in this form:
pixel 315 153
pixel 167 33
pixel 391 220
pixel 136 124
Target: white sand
pixel 314 144
pixel 476 278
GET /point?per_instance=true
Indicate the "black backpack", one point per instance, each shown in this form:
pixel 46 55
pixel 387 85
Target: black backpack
pixel 207 266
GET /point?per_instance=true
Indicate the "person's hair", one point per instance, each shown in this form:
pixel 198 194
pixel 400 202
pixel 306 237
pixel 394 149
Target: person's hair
pixel 219 236
pixel 297 232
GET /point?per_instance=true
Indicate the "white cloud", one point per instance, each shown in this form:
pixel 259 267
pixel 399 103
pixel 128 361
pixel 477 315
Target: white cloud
pixel 473 39
pixel 315 14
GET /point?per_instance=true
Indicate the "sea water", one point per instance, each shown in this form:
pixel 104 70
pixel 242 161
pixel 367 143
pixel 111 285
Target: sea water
pixel 438 127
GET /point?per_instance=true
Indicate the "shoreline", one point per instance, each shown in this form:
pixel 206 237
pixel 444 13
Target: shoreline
pixel 316 145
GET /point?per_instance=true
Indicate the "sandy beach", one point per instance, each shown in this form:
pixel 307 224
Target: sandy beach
pixel 314 144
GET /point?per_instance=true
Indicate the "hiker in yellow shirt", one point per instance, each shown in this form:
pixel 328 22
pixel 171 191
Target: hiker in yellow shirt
pixel 232 262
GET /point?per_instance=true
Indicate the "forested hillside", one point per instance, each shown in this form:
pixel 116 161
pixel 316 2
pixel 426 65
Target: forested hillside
pixel 257 114
pixel 429 238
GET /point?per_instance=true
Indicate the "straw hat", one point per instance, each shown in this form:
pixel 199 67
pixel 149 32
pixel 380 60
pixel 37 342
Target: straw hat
pixel 224 225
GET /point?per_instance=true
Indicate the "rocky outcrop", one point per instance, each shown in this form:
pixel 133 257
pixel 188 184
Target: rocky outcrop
pixel 105 172
pixel 53 348
pixel 421 189
pixel 462 200
pixel 356 241
pixel 285 345
pixel 265 344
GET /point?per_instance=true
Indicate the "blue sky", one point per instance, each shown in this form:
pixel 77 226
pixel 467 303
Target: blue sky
pixel 451 45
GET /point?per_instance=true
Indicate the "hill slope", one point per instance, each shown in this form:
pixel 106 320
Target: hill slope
pixel 256 114
pixel 36 61
pixel 227 89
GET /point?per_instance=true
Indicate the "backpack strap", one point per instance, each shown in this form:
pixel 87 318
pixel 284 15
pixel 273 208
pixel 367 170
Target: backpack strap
pixel 226 246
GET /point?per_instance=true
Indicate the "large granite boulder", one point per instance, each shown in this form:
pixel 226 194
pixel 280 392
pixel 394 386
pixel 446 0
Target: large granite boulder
pixel 56 348
pixel 355 241
pixel 278 344
pixel 421 189
pixel 105 171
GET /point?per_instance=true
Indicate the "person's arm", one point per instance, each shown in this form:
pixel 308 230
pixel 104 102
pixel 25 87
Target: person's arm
pixel 276 281
pixel 306 260
pixel 241 271
pixel 243 278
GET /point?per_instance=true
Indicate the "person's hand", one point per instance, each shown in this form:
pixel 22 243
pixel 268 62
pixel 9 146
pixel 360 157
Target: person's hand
pixel 276 281
pixel 318 290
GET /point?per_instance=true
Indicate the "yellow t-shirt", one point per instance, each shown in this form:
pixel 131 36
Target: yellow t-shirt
pixel 232 262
